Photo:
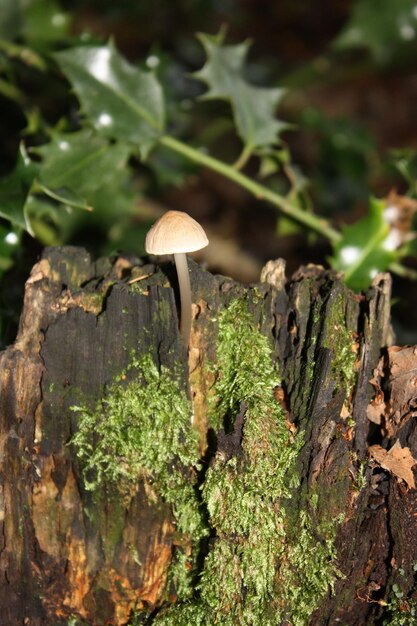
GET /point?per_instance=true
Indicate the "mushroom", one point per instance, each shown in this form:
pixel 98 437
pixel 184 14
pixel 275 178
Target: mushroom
pixel 177 233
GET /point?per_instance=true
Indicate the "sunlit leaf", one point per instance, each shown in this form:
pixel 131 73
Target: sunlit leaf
pixel 9 243
pixel 253 107
pixel 121 101
pixel 365 248
pixel 79 171
pixel 44 22
pixel 15 188
pixel 46 220
pixel 383 27
pixel 66 196
pixel 405 162
pixel 75 171
pixel 74 166
pixel 37 22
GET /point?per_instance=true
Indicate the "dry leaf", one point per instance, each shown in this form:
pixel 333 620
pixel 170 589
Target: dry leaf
pixel 375 412
pixel 403 374
pixel 397 460
pixel 399 214
pixel 402 364
pixel 344 413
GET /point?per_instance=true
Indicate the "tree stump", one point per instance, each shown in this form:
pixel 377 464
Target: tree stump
pixel 265 477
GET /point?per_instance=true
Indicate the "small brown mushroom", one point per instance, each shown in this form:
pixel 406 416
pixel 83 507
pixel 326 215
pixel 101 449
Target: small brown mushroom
pixel 177 233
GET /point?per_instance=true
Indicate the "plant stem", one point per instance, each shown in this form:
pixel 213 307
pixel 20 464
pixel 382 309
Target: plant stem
pixel 243 158
pixel 260 192
pixel 404 272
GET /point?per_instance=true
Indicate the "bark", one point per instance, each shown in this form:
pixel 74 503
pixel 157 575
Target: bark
pixel 69 554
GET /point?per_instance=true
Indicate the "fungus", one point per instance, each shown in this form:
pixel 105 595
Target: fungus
pixel 177 233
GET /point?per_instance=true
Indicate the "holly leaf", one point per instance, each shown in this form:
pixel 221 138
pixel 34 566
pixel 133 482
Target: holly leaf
pixel 44 23
pixel 80 170
pixel 10 241
pixel 15 189
pixel 74 166
pixel 65 196
pixel 253 107
pixel 37 22
pixel 120 100
pixel 404 160
pixel 365 248
pixel 383 27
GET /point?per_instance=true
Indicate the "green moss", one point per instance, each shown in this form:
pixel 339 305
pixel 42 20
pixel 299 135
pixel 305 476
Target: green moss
pixel 266 564
pixel 139 288
pixel 401 608
pixel 268 561
pixel 142 429
pixel 93 301
pixel 340 341
pixel 75 621
pixel 400 611
pixel 360 479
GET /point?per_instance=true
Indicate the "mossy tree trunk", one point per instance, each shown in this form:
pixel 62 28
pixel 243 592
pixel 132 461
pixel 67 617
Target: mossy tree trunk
pixel 265 478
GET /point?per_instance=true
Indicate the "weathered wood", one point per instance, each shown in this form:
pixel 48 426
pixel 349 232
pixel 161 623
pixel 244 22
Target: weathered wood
pixel 103 556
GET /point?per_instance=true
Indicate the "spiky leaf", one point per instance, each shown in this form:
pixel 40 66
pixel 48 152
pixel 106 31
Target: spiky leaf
pixel 74 166
pixel 253 107
pixel 383 27
pixel 365 248
pixel 15 189
pixel 121 101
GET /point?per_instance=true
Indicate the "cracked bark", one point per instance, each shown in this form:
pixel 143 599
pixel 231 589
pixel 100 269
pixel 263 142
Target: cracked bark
pixel 79 322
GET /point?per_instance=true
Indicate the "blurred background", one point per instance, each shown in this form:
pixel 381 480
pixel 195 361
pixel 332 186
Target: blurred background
pixel 349 70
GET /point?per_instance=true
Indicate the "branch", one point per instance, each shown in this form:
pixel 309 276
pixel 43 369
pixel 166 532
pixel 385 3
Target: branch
pixel 260 192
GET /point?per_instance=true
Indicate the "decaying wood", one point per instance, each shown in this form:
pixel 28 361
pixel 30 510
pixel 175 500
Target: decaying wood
pixel 79 323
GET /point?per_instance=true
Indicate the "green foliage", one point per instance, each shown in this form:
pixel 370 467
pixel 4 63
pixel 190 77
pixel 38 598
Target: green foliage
pixel 81 170
pixel 266 565
pixel 339 340
pixel 15 189
pixel 405 161
pixel 74 164
pixel 9 240
pixel 131 110
pixel 121 102
pixel 383 27
pixel 45 23
pixel 401 612
pixel 365 248
pixel 78 170
pixel 401 609
pixel 254 108
pixel 40 22
pixel 346 158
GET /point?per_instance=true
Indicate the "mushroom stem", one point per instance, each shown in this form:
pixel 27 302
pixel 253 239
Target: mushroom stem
pixel 185 295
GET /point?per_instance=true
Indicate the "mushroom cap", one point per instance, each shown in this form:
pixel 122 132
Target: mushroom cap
pixel 175 232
